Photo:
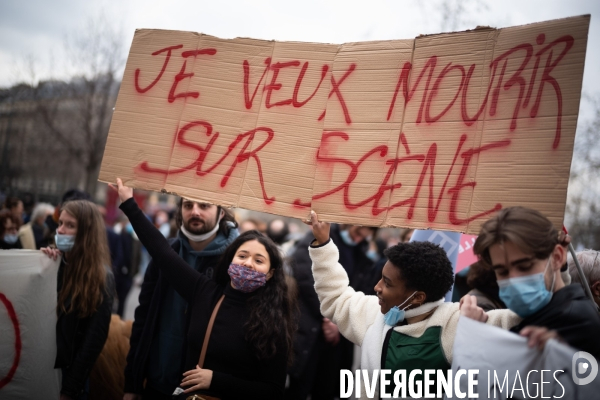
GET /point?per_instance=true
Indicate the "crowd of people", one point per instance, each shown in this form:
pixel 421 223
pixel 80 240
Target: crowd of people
pixel 259 309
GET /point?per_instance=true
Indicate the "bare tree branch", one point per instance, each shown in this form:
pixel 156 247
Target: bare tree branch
pixel 583 213
pixel 79 116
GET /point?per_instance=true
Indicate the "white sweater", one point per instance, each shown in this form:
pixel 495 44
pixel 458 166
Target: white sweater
pixel 359 317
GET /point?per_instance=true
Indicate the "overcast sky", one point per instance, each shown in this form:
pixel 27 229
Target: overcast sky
pixel 36 29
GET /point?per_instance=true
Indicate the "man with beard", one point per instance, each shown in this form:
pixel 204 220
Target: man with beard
pixel 157 340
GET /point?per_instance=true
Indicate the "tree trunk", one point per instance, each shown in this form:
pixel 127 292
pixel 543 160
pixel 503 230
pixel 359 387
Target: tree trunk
pixel 91 178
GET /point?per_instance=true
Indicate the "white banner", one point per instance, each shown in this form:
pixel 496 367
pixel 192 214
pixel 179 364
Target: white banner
pixel 28 325
pixel 506 367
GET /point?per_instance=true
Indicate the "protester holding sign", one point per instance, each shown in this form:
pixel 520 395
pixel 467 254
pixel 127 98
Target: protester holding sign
pixel 156 351
pixel 527 253
pixel 319 350
pixel 85 294
pixel 407 326
pixel 240 325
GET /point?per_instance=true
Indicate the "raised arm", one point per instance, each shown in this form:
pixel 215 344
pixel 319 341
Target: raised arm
pixel 352 311
pixel 173 268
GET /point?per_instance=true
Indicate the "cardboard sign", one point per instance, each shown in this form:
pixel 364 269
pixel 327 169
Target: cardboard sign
pixel 28 325
pixel 434 132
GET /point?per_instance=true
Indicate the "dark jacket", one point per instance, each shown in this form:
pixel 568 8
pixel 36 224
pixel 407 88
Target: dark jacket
pixel 573 315
pixel 362 278
pixel 116 249
pixel 147 316
pixel 237 371
pixel 79 341
pixel 7 246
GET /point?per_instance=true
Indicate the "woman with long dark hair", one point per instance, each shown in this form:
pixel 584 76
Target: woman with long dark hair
pixel 251 337
pixel 85 294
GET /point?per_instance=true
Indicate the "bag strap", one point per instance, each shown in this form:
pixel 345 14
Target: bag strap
pixel 211 322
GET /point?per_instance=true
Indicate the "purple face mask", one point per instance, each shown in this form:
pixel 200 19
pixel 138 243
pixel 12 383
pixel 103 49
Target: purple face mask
pixel 245 279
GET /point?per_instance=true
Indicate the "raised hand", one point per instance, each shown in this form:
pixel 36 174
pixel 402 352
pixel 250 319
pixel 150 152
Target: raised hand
pixel 124 192
pixel 320 229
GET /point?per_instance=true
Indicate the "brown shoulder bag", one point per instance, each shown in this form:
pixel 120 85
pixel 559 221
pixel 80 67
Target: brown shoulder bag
pixel 211 322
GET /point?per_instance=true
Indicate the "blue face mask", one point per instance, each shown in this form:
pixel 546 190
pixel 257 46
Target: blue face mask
pixel 373 255
pixel 345 234
pixel 526 295
pixel 395 314
pixel 64 242
pixel 11 238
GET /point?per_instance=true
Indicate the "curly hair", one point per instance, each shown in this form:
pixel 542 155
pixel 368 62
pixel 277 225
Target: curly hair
pixel 423 266
pixel 273 312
